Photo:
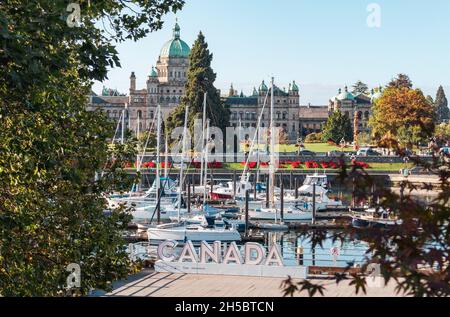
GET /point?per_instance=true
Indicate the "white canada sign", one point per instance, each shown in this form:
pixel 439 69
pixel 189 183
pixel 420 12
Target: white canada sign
pixel 251 260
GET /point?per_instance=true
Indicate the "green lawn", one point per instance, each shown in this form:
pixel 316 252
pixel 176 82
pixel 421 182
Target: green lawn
pixel 324 147
pixel 373 167
pixel 315 147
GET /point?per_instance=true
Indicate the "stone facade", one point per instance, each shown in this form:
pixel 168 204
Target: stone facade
pixel 245 110
pixel 165 86
pixel 359 105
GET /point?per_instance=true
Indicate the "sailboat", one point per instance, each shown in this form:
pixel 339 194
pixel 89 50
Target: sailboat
pixel 183 231
pixel 290 213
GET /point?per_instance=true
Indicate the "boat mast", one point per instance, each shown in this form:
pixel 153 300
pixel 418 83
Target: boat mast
pixel 203 138
pixel 272 150
pixel 206 167
pixel 166 156
pixel 158 146
pixel 123 127
pixel 184 150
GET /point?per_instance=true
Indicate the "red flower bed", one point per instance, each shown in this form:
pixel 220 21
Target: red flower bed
pixel 215 165
pixel 264 164
pixel 163 165
pixel 148 165
pixel 296 164
pixel 360 164
pixel 334 165
pixel 250 164
pixel 311 164
pixel 325 164
pixel 127 165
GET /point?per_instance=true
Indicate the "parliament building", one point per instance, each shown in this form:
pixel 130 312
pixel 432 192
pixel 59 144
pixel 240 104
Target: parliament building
pixel 165 86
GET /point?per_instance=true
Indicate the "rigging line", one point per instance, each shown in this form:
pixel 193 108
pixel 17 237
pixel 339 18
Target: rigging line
pixel 113 141
pixel 139 165
pixel 253 141
pixel 158 204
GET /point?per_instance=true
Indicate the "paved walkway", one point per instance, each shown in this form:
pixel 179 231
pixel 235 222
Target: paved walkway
pixel 151 284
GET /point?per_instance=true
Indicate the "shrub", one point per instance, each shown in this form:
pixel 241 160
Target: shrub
pixel 314 138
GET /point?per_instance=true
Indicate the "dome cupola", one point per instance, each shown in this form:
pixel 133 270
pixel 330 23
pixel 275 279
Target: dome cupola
pixel 153 73
pixel 346 95
pixel 176 47
pixel 263 87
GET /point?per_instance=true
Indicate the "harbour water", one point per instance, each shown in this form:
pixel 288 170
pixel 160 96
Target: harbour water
pixel 296 250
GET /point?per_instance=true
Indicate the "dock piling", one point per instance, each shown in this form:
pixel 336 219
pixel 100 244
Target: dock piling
pixel 314 206
pixel 246 212
pixel 282 202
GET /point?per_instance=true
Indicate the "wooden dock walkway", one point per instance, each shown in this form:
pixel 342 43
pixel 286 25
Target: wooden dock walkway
pixel 151 284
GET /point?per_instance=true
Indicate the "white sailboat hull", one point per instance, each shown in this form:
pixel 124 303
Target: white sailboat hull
pixel 194 234
pixel 288 216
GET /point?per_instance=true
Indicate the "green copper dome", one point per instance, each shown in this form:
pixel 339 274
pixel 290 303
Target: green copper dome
pixel 175 47
pixel 153 73
pixel 294 86
pixel 345 95
pixel 263 87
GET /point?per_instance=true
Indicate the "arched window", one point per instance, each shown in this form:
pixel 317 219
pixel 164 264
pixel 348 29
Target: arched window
pixel 278 115
pixel 168 99
pixel 161 99
pixel 115 114
pixel 174 99
pixel 108 113
pixel 284 115
pixel 241 115
pixel 247 115
pixel 152 115
pixel 139 114
pixel 366 115
pixel 262 125
pixel 359 115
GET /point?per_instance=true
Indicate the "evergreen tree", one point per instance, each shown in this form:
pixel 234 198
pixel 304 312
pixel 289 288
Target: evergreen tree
pixel 360 88
pixel 337 127
pixel 441 106
pixel 201 78
pixel 402 81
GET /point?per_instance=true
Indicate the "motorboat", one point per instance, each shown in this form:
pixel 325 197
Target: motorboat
pixel 320 180
pixel 183 232
pixel 290 214
pixel 375 218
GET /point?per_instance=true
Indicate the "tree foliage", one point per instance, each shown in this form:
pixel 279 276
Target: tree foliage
pixel 51 202
pixel 441 104
pixel 337 127
pixel 412 254
pixel 401 81
pixel 402 107
pixel 200 79
pixel 360 88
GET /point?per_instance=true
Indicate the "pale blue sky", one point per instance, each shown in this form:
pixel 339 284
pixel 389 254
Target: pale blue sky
pixel 322 44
